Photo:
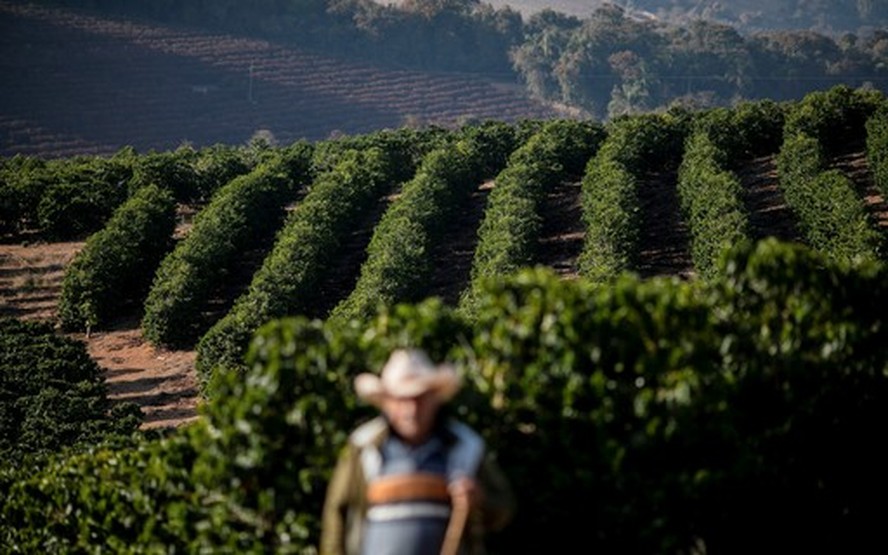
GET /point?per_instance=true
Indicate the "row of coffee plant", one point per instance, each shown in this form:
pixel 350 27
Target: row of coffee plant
pixel 310 240
pixel 52 396
pixel 653 416
pixel 114 270
pixel 835 117
pixel 831 214
pixel 398 264
pixel 508 237
pixel 243 215
pixel 877 148
pixel 351 175
pixel 70 198
pixel 711 202
pixel 745 131
pixel 635 147
pixel 710 193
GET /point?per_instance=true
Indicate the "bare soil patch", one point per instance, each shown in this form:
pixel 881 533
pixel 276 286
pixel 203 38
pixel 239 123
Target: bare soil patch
pixel 163 383
pixel 769 215
pixel 31 277
pixel 856 167
pixel 153 86
pixel 665 238
pixel 452 258
pixel 563 229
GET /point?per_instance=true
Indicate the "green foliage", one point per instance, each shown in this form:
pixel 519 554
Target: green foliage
pixel 750 129
pixel 397 267
pixel 648 142
pixel 115 267
pixel 611 214
pixel 678 415
pixel 799 400
pixel 126 499
pixel 711 201
pixel 635 147
pixel 835 117
pixel 244 214
pixel 216 166
pixel 405 147
pixel 590 394
pixel 22 183
pixel 63 199
pixel 831 214
pixel 311 237
pixel 877 148
pixel 52 395
pixel 83 197
pixel 170 170
pixel 509 233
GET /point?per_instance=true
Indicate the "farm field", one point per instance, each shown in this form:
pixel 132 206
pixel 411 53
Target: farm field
pixel 239 291
pixel 577 8
pixel 161 382
pixel 672 322
pixel 164 382
pixel 79 84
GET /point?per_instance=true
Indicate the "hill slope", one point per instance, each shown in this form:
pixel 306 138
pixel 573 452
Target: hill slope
pixel 164 383
pixel 80 84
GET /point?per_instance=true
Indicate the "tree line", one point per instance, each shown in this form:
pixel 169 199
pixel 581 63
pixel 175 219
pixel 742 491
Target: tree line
pixel 610 63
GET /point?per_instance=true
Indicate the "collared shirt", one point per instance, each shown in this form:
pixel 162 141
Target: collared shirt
pixel 415 523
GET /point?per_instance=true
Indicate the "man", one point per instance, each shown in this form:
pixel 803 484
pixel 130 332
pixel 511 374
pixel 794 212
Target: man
pixel 413 481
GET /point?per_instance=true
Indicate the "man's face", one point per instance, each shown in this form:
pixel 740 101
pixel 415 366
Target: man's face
pixel 412 417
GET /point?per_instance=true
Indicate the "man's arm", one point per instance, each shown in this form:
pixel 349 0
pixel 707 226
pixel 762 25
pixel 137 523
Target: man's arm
pixel 498 503
pixel 337 503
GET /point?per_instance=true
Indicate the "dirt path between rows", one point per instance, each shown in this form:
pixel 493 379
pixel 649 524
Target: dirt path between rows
pixel 162 382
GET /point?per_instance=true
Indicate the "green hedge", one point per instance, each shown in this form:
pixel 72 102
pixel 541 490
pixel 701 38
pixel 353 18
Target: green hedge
pixel 244 214
pixel 398 265
pixel 831 214
pixel 744 131
pixel 62 199
pixel 113 272
pixel 52 394
pixel 509 233
pixel 877 148
pixel 311 237
pixel 636 146
pixel 711 201
pixel 835 117
pixel 652 416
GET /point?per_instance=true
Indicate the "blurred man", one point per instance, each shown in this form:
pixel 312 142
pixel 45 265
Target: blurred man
pixel 413 481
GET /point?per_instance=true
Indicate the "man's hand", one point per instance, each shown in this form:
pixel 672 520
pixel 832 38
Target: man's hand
pixel 466 492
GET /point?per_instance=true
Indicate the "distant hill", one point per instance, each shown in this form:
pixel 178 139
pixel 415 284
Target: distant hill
pixel 836 16
pixel 85 84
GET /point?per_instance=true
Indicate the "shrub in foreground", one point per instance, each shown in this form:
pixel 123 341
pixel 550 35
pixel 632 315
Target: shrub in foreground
pixel 653 416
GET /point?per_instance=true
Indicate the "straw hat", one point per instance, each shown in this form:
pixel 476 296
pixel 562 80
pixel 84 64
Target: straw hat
pixel 408 373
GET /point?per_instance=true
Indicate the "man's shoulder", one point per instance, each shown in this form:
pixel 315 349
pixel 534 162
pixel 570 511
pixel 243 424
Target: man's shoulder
pixel 463 432
pixel 369 433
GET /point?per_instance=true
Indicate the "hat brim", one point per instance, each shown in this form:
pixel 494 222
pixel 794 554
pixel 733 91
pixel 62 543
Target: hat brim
pixel 444 383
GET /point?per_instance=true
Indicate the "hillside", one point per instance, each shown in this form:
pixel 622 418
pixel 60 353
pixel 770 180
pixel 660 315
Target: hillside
pixel 81 84
pixel 832 16
pixel 163 382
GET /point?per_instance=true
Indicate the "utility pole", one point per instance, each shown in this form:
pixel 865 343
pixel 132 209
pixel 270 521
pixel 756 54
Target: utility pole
pixel 250 87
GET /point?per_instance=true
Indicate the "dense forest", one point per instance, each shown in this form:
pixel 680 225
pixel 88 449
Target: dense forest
pixel 615 61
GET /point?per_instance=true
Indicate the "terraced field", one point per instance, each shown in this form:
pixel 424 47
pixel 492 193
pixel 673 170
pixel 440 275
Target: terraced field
pixel 74 83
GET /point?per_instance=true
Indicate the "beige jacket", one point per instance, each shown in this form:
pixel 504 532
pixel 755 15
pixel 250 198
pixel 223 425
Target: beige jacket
pixel 346 504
